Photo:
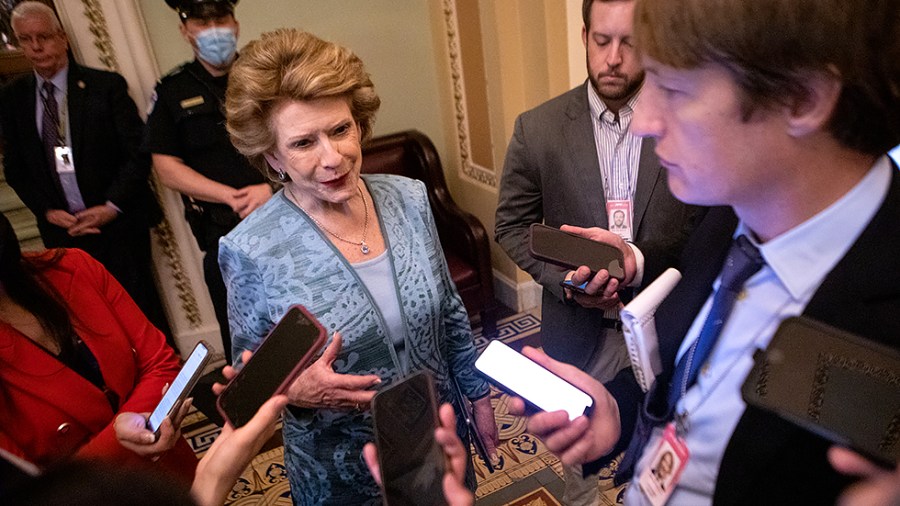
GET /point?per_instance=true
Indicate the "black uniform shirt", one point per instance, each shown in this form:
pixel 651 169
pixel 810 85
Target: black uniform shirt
pixel 188 122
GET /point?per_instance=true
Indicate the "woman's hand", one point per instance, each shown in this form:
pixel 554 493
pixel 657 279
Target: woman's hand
pixel 320 387
pixel 487 426
pixel 132 432
pixel 455 491
pixel 232 452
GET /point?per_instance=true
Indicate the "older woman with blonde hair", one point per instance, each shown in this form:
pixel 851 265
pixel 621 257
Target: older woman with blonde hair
pixel 362 254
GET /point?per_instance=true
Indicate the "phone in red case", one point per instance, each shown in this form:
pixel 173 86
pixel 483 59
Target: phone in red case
pixel 288 349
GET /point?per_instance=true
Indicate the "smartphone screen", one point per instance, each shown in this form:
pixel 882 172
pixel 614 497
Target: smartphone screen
pixel 412 462
pixel 571 251
pixel 181 386
pixel 531 382
pixel 283 354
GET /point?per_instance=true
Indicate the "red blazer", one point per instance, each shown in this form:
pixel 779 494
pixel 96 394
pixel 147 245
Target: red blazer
pixel 48 412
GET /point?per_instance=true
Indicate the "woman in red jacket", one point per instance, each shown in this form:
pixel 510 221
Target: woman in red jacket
pixel 75 351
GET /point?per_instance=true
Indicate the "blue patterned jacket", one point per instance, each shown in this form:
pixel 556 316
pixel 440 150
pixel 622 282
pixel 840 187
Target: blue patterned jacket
pixel 277 257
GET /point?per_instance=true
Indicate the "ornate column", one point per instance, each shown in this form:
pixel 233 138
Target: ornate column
pixel 111 34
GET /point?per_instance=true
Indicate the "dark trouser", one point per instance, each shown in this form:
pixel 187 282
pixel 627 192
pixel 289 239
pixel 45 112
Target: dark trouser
pixel 217 293
pixel 209 222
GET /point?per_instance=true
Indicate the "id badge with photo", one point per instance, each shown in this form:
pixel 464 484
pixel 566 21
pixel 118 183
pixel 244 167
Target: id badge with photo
pixel 64 162
pixel 620 218
pixel 662 472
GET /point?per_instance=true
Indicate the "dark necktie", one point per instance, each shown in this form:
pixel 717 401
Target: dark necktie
pixel 50 122
pixel 743 261
pixel 50 134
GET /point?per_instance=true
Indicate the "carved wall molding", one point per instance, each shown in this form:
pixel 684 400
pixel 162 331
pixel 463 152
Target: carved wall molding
pixel 94 13
pixel 469 168
pixel 164 236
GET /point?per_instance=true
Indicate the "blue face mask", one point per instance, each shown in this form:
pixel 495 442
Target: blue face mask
pixel 217 46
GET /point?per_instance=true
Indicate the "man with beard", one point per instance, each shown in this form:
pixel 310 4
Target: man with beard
pixel 192 153
pixel 574 161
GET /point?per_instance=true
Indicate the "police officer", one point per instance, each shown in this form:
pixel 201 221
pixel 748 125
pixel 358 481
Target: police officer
pixel 191 150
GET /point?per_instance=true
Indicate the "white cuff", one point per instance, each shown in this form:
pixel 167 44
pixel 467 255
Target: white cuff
pixel 639 262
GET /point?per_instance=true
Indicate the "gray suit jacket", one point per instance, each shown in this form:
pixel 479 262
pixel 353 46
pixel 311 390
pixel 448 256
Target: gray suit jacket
pixel 551 174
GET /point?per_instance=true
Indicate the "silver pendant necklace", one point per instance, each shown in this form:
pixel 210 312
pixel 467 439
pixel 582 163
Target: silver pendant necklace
pixel 362 244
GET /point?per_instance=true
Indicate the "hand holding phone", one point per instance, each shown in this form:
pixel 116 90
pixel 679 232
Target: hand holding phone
pixel 533 383
pixel 284 353
pixel 840 386
pixel 571 251
pixel 411 461
pixel 181 387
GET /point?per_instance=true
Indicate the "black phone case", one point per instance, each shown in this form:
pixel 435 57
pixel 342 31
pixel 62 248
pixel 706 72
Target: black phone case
pixel 567 250
pixel 412 463
pixel 235 409
pixel 838 385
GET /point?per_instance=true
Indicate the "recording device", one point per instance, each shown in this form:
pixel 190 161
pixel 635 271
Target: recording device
pixel 530 381
pixel 571 251
pixel 412 462
pixel 838 385
pixel 288 349
pixel 181 387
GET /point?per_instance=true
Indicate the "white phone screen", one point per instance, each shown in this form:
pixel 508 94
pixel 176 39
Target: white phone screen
pixel 530 381
pixel 177 389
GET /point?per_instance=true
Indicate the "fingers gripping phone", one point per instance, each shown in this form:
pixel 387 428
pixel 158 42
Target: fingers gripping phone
pixel 412 462
pixel 532 382
pixel 840 386
pixel 571 251
pixel 288 349
pixel 181 386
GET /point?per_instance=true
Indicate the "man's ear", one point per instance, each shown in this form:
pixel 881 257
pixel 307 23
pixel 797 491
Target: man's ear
pixel 184 33
pixel 811 109
pixel 584 36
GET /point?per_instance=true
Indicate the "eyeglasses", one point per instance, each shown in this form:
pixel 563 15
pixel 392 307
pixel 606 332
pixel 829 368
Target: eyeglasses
pixel 33 40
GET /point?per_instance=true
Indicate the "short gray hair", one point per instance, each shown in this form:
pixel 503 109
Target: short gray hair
pixel 32 8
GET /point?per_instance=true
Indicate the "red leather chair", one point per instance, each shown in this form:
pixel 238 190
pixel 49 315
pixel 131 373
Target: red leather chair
pixel 463 237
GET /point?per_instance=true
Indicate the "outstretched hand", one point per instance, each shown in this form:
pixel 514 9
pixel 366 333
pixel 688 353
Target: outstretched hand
pixel 602 289
pixel 133 434
pixel 880 487
pixel 583 439
pixel 455 491
pixel 319 386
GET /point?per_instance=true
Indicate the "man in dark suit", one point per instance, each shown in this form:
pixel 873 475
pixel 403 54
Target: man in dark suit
pixel 574 161
pixel 758 108
pixel 71 152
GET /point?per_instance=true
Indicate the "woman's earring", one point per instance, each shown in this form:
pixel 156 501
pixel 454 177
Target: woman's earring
pixel 282 176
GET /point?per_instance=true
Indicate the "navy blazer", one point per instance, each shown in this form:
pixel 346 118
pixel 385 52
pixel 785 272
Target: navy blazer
pixel 106 135
pixel 768 460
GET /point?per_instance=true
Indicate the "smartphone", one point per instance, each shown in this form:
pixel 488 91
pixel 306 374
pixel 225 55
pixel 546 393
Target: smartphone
pixel 567 250
pixel 412 462
pixel 181 386
pixel 838 385
pixel 568 283
pixel 291 346
pixel 526 379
